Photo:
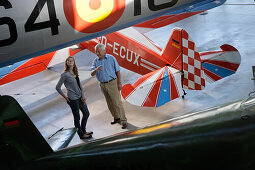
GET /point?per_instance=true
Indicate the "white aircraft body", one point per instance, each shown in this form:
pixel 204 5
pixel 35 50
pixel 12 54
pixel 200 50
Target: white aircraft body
pixel 30 28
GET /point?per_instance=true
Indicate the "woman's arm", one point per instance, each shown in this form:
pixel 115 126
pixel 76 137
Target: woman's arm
pixel 58 87
pixel 82 93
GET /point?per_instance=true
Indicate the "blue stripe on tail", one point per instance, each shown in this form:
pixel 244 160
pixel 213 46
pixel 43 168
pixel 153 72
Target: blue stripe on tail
pixel 220 71
pixel 164 94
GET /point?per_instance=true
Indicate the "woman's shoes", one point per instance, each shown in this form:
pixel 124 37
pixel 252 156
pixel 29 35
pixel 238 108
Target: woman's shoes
pixel 86 136
pixel 89 133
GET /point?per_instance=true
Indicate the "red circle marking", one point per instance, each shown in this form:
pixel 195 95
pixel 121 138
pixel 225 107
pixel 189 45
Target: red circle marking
pixel 81 25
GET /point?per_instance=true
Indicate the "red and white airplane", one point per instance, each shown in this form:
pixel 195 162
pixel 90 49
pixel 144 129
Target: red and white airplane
pixel 32 66
pixel 31 28
pixel 165 71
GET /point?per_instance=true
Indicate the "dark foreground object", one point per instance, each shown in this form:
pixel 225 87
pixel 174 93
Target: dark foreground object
pixel 222 137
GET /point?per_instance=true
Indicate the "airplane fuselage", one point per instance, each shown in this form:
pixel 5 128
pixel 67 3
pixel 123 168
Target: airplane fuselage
pixel 129 53
pixel 31 28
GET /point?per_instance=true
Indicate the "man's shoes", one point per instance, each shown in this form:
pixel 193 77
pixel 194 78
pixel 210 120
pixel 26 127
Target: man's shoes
pixel 89 133
pixel 85 136
pixel 124 125
pixel 115 121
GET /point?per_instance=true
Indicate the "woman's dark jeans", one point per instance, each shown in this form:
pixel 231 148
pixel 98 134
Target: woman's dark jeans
pixel 76 106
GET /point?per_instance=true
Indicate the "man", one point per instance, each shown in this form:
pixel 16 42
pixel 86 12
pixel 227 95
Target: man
pixel 107 71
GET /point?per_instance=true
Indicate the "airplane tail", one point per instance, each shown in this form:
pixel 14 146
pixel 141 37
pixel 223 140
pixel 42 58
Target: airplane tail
pixel 181 53
pixel 193 74
pixel 20 140
pixel 172 52
pixel 220 64
pixel 185 72
pixel 189 70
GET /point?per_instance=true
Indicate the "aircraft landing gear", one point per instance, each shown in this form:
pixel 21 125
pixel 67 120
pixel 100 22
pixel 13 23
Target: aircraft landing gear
pixel 184 93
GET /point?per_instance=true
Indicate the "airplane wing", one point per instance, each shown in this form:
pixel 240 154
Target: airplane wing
pixel 35 65
pixel 154 89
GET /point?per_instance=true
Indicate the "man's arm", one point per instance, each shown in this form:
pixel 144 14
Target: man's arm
pixel 94 72
pixel 119 80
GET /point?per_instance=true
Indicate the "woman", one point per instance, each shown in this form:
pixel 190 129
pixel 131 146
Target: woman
pixel 75 98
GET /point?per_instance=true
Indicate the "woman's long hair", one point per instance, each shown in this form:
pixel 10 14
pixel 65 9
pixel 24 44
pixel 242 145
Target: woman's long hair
pixel 67 68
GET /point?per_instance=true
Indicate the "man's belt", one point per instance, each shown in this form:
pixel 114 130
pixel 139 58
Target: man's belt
pixel 108 81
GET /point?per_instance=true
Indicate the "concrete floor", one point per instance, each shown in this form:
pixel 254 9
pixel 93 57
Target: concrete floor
pixel 231 23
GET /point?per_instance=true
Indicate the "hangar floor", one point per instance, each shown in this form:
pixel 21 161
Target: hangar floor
pixel 231 23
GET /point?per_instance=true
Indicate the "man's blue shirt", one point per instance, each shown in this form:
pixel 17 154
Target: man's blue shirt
pixel 109 66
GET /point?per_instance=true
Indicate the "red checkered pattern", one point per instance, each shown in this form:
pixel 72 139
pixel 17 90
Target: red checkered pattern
pixel 193 77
